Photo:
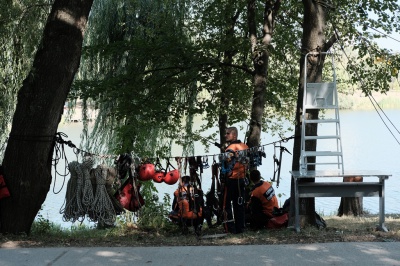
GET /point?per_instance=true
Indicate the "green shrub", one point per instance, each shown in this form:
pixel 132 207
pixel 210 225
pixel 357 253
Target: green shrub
pixel 41 225
pixel 155 214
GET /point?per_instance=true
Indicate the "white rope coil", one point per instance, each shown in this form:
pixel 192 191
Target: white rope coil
pixel 103 208
pixel 80 199
pixel 87 188
pixel 71 212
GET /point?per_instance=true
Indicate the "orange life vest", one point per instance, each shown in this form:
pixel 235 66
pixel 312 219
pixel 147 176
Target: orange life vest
pixel 187 207
pixel 239 169
pixel 266 194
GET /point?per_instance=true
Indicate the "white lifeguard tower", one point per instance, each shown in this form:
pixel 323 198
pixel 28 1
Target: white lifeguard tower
pixel 322 96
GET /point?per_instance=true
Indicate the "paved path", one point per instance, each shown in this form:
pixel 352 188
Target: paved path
pixel 371 253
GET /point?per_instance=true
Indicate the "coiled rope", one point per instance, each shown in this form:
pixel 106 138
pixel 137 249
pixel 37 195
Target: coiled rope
pixel 70 209
pixel 87 188
pixel 103 208
pixel 80 199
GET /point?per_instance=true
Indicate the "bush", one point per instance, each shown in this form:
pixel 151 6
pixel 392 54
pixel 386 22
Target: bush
pixel 154 215
pixel 41 225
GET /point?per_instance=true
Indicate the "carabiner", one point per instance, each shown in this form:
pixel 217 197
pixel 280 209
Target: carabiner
pixel 240 200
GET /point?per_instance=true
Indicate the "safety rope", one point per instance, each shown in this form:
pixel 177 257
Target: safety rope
pixel 79 187
pixel 103 209
pixel 87 188
pixel 79 198
pixel 70 209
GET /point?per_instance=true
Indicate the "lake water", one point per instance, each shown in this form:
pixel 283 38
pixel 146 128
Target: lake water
pixel 367 145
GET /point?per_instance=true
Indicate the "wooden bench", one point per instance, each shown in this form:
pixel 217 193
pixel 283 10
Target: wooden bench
pixel 339 189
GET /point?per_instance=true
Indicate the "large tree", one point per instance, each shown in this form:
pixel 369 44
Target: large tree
pixel 260 57
pixel 321 19
pixel 28 156
pixel 313 40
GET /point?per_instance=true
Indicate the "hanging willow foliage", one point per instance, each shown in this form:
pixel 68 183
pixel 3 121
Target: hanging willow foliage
pixel 149 67
pixel 141 91
pixel 21 27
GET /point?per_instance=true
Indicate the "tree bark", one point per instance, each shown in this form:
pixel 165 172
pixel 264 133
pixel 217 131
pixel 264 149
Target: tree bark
pixel 28 156
pixel 351 205
pixel 260 62
pixel 231 20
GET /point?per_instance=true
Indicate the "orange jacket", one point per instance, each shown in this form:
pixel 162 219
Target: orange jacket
pixel 265 193
pixel 239 170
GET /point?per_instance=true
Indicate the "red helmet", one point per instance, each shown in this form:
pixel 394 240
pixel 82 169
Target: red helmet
pixel 146 172
pixel 172 177
pixel 158 177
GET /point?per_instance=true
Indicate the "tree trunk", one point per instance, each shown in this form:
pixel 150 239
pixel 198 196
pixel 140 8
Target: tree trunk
pixel 351 205
pixel 223 122
pixel 260 62
pixel 231 20
pixel 28 156
pixel 313 40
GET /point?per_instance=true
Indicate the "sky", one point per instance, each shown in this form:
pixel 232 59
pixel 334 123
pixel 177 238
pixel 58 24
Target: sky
pixel 393 41
pixel 389 43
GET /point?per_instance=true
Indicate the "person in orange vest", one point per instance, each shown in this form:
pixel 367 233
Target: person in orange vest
pixel 234 194
pixel 262 201
pixel 187 206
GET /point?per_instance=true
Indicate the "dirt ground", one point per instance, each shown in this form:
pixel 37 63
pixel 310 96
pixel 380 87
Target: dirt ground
pixel 339 229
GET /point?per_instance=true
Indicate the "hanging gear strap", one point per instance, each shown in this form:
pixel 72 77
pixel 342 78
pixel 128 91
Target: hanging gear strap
pixel 225 214
pixel 278 163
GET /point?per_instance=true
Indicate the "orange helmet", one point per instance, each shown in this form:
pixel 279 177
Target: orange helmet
pixel 146 172
pixel 172 177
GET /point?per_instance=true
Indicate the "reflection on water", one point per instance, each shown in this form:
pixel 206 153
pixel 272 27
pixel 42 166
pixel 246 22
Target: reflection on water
pixel 367 145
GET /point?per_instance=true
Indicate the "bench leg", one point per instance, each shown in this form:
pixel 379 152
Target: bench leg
pixel 382 226
pixel 296 206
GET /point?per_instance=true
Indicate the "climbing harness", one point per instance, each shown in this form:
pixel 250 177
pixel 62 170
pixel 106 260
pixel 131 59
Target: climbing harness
pixel 278 162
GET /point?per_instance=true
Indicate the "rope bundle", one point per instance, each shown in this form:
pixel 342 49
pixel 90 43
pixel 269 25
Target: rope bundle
pixel 103 208
pixel 73 210
pixel 80 199
pixel 87 189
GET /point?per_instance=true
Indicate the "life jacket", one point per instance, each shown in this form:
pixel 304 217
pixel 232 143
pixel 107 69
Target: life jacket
pixel 265 193
pixel 239 169
pixel 189 206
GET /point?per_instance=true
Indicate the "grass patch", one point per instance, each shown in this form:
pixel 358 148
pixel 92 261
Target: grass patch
pixel 339 229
